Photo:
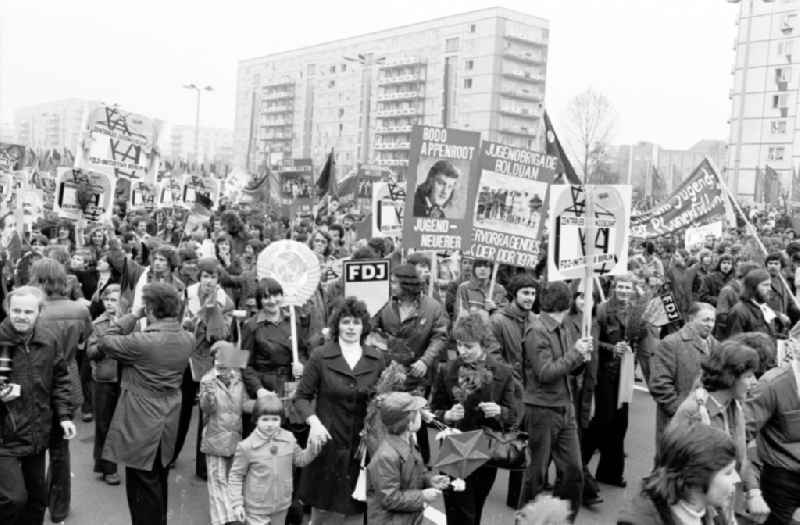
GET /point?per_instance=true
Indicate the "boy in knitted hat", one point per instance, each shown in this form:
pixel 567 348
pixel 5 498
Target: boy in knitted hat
pixel 399 485
pixel 260 480
pixel 223 399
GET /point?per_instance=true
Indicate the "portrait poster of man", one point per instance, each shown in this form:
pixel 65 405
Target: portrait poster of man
pixel 93 201
pixel 442 177
pixel 509 205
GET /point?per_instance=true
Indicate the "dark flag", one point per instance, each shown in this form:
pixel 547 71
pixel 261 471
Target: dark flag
pixel 326 183
pixel 772 185
pixel 659 186
pixel 553 147
pixel 758 189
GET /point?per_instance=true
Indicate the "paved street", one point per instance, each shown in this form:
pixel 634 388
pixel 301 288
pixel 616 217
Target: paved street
pixel 95 503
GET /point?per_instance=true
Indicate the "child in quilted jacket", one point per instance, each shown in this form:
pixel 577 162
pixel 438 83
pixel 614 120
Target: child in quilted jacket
pixel 223 399
pixel 260 480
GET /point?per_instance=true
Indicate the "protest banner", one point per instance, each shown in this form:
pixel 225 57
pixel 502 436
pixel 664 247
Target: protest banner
pixel 168 193
pixel 296 192
pixel 369 281
pixel 120 144
pixel 83 194
pixel 12 157
pixel 143 196
pixel 696 236
pixel 388 202
pixel 509 205
pixel 567 226
pixel 700 197
pixel 196 189
pixel 442 177
pixel 358 186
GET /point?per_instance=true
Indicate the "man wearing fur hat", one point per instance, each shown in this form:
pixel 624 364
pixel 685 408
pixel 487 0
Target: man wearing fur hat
pixel 416 330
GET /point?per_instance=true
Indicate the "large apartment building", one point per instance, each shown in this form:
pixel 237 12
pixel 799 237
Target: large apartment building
pixel 214 145
pixel 483 70
pixel 764 123
pixel 53 125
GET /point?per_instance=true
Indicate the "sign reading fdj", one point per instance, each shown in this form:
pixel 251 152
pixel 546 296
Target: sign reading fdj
pixel 369 281
pixel 376 271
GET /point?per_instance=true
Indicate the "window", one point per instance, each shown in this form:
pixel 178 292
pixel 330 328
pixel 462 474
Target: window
pixel 472 28
pixel 780 101
pixel 776 152
pixel 467 83
pixel 789 22
pixel 344 68
pixel 470 64
pixel 333 68
pixel 331 83
pixel 341 112
pixel 783 74
pixel 341 128
pixel 785 47
pixel 777 127
pixel 451 45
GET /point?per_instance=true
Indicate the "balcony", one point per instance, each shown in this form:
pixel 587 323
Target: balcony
pixel 400 95
pixel 391 162
pixel 392 146
pixel 534 59
pixel 277 137
pixel 398 112
pixel 277 85
pixel 519 113
pixel 277 95
pixel 389 130
pixel 525 76
pixel 522 95
pixel 524 39
pixel 519 132
pixel 402 62
pixel 411 78
pixel 277 124
pixel 273 110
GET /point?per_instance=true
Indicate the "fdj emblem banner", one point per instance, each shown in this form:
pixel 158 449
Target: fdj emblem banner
pixel 369 281
pixel 701 196
pixel 566 257
pixel 120 144
pixel 442 177
pixel 508 210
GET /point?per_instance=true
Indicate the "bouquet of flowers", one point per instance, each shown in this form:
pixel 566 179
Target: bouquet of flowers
pixel 470 380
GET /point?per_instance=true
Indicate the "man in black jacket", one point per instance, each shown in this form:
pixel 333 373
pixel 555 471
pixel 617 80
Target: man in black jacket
pixel 36 390
pixel 752 313
pixel 550 358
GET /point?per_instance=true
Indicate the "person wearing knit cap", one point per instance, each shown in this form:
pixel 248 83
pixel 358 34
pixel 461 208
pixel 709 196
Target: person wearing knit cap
pixel 399 484
pixel 419 324
pixel 260 479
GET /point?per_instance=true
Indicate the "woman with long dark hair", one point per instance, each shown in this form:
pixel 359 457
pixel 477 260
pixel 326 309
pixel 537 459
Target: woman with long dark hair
pixel 695 474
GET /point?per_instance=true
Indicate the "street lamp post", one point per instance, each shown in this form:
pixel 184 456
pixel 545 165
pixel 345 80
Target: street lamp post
pixel 197 89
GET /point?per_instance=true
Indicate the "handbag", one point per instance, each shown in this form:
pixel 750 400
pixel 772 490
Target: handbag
pixel 507 448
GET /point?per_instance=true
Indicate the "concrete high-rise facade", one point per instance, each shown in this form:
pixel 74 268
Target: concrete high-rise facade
pixel 53 125
pixel 483 71
pixel 765 122
pixel 215 144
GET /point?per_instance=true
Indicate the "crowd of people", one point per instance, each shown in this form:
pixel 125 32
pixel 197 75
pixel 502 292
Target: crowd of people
pixel 131 323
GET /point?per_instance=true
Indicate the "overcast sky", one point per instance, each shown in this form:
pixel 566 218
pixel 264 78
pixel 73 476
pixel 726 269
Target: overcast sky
pixel 665 64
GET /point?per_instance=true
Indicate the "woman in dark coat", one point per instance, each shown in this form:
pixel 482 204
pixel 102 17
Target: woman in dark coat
pixel 340 377
pixel 470 393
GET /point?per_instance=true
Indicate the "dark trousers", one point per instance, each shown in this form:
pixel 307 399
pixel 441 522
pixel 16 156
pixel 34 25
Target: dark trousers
pixel 59 475
pixel 147 493
pixel 188 395
pixel 105 401
pixel 23 490
pixel 465 508
pixel 606 433
pixel 781 491
pixel 87 383
pixel 553 433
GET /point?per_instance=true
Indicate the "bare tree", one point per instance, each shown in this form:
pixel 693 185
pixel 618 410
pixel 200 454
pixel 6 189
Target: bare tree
pixel 590 120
